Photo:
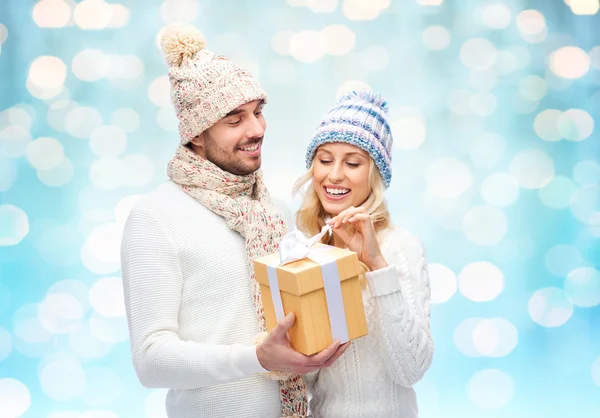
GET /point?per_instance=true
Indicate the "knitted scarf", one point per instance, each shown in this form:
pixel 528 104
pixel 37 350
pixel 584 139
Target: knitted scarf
pixel 244 203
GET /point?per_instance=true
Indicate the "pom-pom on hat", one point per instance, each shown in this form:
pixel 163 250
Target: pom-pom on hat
pixel 204 86
pixel 360 119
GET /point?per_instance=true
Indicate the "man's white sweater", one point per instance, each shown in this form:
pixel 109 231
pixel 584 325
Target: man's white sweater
pixel 189 305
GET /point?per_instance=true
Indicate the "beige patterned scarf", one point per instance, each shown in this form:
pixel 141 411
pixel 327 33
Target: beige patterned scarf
pixel 244 203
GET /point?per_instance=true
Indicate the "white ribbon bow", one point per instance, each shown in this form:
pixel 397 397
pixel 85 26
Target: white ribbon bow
pixel 295 246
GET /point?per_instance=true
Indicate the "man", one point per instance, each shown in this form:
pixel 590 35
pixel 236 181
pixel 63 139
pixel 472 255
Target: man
pixel 194 309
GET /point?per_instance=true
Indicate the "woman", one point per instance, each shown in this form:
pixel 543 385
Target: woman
pixel 349 168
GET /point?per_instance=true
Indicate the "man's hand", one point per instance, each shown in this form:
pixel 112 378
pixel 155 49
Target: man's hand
pixel 277 354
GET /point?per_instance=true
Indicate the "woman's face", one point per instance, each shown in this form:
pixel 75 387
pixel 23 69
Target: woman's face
pixel 341 176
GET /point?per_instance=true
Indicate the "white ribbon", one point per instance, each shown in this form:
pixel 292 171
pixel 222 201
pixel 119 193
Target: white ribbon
pixel 295 246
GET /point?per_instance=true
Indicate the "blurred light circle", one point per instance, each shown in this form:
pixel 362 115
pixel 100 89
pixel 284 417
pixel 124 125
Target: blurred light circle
pixel 159 91
pixel 119 16
pixel 60 313
pixel 483 80
pixel 595 57
pixel 5 344
pixel 478 53
pixel 460 101
pixel 85 344
pixel 596 371
pixel 90 65
pixel 26 325
pixel 101 252
pixel 339 39
pixel 3 33
pixel 63 380
pixel 533 87
pixel 14 225
pixel 491 389
pixel 550 307
pixel 524 106
pixel 82 121
pixel 500 189
pixel 487 150
pixel 496 16
pixel 281 71
pixel 322 6
pixel 481 281
pixel 582 287
pixel 442 281
pixel 107 173
pixel 72 287
pixel 495 337
pixel 108 141
pixel 308 46
pixel 103 387
pixel 123 70
pixel 363 9
pixel 352 85
pixel 139 170
pixel 532 168
pixel 154 404
pixel 17 115
pixel 92 14
pixel 45 153
pixel 8 174
pixel 531 22
pixel 575 125
pixel 59 175
pixel 558 192
pixel 109 330
pixel 562 259
pixel 584 7
pixel 14 140
pixel 51 14
pixel 463 337
pixel 483 103
pixel 436 38
pixel 585 204
pixel 281 42
pixel 546 125
pixel 375 58
pixel 14 398
pixel 448 177
pixel 57 114
pixel 172 11
pixel 125 118
pixel 106 297
pixel 48 72
pixel 569 62
pixel 485 225
pixel 408 132
pixel 587 172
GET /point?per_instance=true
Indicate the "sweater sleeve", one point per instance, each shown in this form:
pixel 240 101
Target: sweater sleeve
pixel 401 293
pixel 152 283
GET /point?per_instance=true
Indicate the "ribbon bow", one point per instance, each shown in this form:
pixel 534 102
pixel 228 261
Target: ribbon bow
pixel 295 246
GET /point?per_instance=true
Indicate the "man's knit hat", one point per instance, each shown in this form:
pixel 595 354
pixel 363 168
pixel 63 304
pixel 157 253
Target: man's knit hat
pixel 360 119
pixel 204 86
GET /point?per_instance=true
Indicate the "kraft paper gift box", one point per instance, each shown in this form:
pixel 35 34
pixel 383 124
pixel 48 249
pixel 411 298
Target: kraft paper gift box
pixel 320 284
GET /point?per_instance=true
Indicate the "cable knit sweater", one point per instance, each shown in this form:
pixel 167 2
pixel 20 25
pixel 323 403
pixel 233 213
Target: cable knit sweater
pixel 374 377
pixel 189 305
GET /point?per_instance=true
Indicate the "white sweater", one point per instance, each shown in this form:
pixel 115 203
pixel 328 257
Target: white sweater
pixel 189 306
pixel 374 376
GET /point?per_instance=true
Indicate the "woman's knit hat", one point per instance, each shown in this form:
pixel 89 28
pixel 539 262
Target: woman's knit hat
pixel 360 119
pixel 204 86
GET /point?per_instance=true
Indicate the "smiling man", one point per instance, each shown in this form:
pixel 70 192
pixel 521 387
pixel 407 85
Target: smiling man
pixel 194 308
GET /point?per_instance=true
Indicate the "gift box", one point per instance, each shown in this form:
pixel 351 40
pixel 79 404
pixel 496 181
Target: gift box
pixel 320 285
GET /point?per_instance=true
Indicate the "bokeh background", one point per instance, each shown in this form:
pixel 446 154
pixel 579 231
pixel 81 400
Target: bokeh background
pixel 494 106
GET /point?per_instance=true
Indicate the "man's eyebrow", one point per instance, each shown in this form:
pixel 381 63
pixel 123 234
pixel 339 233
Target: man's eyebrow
pixel 238 110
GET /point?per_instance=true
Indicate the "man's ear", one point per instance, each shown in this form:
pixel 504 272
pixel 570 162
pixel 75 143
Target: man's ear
pixel 198 141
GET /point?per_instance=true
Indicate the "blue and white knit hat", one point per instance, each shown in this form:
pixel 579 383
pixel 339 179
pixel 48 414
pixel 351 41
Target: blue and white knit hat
pixel 360 119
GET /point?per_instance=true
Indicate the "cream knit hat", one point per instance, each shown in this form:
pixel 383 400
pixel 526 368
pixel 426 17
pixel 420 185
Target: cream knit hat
pixel 204 86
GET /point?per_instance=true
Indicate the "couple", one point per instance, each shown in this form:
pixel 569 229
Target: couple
pixel 194 309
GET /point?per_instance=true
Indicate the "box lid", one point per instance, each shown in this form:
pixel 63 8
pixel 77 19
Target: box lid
pixel 304 276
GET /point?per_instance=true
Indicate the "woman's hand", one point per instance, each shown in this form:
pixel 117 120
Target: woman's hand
pixel 363 240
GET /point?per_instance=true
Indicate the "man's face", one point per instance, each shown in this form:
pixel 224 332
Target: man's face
pixel 234 143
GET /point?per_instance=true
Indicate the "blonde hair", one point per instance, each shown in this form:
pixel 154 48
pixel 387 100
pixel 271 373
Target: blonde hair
pixel 311 216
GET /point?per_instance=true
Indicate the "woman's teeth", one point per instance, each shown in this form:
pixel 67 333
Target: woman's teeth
pixel 337 192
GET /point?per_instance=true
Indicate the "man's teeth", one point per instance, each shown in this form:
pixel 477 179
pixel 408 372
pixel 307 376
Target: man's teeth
pixel 250 148
pixel 336 191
